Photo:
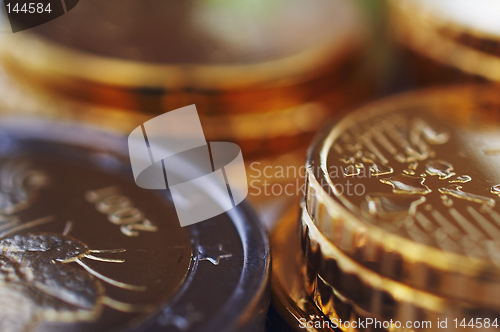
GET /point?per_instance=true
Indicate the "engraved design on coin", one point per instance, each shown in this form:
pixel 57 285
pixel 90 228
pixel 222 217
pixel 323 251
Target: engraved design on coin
pixel 406 184
pixel 19 186
pixel 120 211
pixel 212 254
pixel 37 282
pixel 400 152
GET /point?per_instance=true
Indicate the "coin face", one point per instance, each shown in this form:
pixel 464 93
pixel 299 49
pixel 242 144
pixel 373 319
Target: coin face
pixel 82 247
pixel 408 188
pixel 70 247
pixel 424 168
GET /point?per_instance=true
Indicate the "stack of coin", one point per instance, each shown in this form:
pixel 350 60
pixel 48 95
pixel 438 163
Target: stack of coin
pixel 448 40
pixel 82 247
pixel 400 225
pixel 263 75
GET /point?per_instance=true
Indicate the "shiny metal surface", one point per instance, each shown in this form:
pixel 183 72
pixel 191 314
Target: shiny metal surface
pixel 82 247
pixel 333 277
pixel 186 44
pixel 459 44
pixel 426 209
pixel 461 20
pixel 289 294
pixel 263 122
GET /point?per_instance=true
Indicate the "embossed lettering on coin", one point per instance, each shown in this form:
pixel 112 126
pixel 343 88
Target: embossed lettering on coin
pixel 48 273
pixel 120 211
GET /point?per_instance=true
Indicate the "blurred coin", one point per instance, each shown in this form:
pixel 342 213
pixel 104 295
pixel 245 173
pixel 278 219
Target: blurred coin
pixel 84 248
pixel 152 55
pixel 473 24
pixel 448 40
pixel 407 187
pixel 259 134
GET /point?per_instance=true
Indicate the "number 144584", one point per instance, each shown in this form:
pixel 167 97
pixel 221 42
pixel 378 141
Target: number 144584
pixel 31 8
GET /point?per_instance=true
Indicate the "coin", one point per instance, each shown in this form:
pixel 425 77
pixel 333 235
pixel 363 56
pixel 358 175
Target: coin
pixel 332 276
pixel 84 248
pixel 289 295
pixel 259 134
pixel 441 45
pixel 282 53
pixel 407 187
pixel 472 25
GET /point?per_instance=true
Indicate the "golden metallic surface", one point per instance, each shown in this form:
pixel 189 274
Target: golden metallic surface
pixel 251 99
pixel 414 30
pixel 75 168
pixel 407 187
pixel 289 295
pixel 289 44
pixel 266 125
pixel 334 306
pixel 267 137
pixel 473 24
pixel 334 275
pixel 268 88
pixel 282 170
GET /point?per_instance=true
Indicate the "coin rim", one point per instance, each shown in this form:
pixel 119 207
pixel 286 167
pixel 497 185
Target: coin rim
pixel 250 232
pixel 327 211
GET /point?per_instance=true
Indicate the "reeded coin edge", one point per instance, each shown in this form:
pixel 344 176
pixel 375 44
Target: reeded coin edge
pixel 408 300
pixel 292 307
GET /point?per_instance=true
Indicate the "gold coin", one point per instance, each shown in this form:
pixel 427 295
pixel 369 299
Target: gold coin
pixel 472 24
pixel 427 35
pixel 293 300
pixel 289 295
pixel 122 55
pixel 408 187
pixel 332 275
pixel 262 136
